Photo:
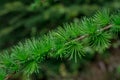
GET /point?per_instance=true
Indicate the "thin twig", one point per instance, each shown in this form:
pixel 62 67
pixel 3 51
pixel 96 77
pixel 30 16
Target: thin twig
pixel 86 35
pixel 103 29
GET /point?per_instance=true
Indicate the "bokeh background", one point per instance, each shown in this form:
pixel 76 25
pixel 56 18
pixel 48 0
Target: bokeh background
pixel 23 19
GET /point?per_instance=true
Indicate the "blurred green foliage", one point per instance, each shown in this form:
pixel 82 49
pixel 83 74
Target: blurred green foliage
pixel 21 19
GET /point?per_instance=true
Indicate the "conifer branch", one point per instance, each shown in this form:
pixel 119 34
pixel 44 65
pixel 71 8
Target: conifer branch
pixel 63 43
